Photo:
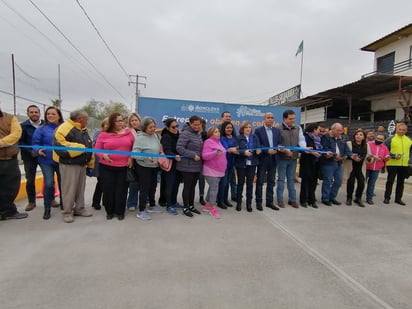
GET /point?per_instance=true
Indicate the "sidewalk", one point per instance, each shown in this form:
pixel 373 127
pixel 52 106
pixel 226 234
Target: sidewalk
pixel 331 257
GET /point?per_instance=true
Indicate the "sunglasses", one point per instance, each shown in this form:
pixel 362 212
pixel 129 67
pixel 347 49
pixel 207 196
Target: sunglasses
pixel 174 127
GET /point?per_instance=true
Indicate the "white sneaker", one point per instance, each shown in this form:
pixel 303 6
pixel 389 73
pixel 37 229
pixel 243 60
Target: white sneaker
pixel 143 215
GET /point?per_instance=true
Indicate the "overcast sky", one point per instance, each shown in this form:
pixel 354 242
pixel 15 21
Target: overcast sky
pixel 237 51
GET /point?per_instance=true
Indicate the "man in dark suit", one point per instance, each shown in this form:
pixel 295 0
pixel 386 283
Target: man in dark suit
pixel 268 136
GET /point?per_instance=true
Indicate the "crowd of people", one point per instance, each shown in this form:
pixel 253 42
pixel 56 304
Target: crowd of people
pixel 127 154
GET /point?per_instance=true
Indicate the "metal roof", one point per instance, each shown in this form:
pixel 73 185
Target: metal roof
pixel 388 39
pixel 360 89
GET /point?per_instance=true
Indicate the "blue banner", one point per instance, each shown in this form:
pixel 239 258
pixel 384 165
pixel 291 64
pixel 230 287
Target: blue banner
pixel 182 110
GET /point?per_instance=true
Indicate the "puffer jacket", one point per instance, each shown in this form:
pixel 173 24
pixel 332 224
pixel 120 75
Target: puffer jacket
pixel 189 144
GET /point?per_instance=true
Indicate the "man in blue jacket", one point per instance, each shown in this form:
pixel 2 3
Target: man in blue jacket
pixel 268 137
pixel 331 163
pixel 28 156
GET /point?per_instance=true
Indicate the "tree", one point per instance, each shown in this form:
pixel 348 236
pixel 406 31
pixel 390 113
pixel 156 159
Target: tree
pixel 100 110
pixel 56 103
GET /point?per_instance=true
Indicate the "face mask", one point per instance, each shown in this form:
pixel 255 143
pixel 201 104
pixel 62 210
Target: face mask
pixel 378 142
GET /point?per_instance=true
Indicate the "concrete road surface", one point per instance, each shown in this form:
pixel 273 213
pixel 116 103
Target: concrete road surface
pixel 331 257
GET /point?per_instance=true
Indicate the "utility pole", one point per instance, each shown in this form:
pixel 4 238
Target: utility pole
pixel 14 84
pixel 137 83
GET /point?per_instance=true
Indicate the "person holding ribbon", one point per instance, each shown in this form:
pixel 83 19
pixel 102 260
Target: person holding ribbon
pixel 309 166
pixel 113 166
pixel 246 162
pixel 147 143
pixel 43 136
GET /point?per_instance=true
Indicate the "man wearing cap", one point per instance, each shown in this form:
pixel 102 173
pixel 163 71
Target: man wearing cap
pixel 10 132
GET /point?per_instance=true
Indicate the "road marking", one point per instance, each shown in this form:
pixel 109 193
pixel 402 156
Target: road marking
pixel 351 282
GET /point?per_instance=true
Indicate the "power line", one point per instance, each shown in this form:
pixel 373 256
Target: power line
pixel 77 49
pixel 24 72
pixel 74 61
pixel 104 41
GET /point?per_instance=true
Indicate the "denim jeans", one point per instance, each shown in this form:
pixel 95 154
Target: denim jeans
pixel 371 176
pixel 133 194
pixel 223 194
pixel 332 180
pixel 48 171
pixel 30 169
pixel 286 170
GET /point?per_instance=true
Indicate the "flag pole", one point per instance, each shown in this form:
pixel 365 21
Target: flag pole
pixel 301 73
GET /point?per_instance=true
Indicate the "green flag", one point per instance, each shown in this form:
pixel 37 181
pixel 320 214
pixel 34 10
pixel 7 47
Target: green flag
pixel 300 49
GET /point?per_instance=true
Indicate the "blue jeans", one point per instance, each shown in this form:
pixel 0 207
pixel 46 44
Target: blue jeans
pixel 371 176
pixel 223 194
pixel 286 170
pixel 133 194
pixel 332 180
pixel 48 171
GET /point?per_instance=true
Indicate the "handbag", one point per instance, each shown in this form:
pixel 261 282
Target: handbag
pixel 131 175
pixel 165 163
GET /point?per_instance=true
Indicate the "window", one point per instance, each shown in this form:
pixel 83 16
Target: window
pixel 385 63
pixel 410 56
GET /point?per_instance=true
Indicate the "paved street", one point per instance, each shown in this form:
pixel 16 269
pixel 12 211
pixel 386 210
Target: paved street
pixel 331 257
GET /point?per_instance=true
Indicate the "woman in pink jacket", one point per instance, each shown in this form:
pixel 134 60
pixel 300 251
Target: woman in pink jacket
pixel 214 167
pixel 379 154
pixel 112 166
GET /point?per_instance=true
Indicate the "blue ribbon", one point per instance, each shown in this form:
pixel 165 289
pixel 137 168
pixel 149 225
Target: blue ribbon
pixel 142 154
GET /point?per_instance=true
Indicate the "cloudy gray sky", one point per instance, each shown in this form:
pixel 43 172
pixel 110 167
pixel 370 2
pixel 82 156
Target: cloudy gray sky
pixel 239 51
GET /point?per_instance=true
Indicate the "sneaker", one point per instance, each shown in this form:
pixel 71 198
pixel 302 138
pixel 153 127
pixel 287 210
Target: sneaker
pixel 171 210
pixel 214 213
pixel 17 215
pixel 207 208
pixel 154 209
pixel 187 212
pixel 55 204
pixel 178 206
pixel 143 215
pixel 132 208
pixel 68 218
pixel 193 209
pixel 30 206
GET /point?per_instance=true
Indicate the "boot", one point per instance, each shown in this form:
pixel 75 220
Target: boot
pixel 359 202
pixel 46 215
pixel 249 206
pixel 239 206
pixel 202 201
pixel 349 202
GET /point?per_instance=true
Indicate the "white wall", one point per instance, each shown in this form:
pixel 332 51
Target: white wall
pixel 401 49
pixel 386 101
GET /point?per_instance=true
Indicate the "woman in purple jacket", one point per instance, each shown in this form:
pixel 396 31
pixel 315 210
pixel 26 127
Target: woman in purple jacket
pixel 214 168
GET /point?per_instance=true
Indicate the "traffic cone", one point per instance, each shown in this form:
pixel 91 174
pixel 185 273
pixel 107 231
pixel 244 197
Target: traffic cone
pixel 56 190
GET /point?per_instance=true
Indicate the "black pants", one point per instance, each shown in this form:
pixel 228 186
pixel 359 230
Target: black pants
pixel 357 175
pixel 308 188
pixel 98 192
pixel 30 169
pixel 266 170
pixel 247 175
pixel 172 181
pixel 189 185
pixel 148 184
pixel 393 171
pixel 114 188
pixel 10 177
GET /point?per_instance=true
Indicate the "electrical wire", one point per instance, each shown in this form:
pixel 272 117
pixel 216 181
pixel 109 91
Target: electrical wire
pixel 77 49
pixel 74 61
pixel 103 40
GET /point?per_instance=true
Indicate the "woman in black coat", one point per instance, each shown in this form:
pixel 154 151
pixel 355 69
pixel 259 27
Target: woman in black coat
pixel 309 167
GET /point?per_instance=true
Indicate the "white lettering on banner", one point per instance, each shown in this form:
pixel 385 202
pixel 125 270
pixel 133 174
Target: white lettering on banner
pixel 178 119
pixel 244 111
pixel 200 109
